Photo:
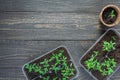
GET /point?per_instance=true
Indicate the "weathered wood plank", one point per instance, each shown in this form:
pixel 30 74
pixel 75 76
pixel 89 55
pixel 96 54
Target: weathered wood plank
pixel 49 26
pixel 35 26
pixel 50 5
pixel 49 34
pixel 55 5
pixel 54 33
pixel 36 17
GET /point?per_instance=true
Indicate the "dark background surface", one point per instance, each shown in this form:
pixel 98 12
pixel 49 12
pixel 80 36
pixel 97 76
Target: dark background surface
pixel 30 28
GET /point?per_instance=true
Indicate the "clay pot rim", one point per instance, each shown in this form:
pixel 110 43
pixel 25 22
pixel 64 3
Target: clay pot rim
pixel 116 8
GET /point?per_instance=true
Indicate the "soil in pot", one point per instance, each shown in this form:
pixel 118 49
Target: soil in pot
pixel 102 54
pixel 56 73
pixel 109 15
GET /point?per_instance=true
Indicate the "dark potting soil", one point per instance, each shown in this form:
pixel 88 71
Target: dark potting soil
pixel 101 56
pixel 115 54
pixel 106 16
pixel 35 76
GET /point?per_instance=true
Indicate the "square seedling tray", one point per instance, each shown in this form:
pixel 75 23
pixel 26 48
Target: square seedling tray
pixel 102 60
pixel 54 65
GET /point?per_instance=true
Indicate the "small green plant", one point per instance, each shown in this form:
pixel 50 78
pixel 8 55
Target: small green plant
pixel 29 67
pixel 55 68
pixel 46 78
pixel 112 14
pixel 113 38
pixel 56 78
pixel 108 46
pixel 91 63
pixel 71 69
pixel 67 71
pixel 57 63
pixel 106 67
pixel 98 66
pixel 45 63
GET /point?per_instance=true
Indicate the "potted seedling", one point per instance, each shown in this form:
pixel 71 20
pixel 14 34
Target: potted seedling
pixel 101 61
pixel 110 15
pixel 54 65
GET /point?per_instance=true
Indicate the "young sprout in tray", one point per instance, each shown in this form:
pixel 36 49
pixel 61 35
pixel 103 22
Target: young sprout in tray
pixel 105 67
pixel 57 65
pixel 108 46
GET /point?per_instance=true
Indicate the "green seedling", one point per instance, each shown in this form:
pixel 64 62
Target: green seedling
pixel 56 56
pixel 98 66
pixel 47 66
pixel 37 69
pixel 91 63
pixel 60 53
pixel 66 72
pixel 55 68
pixel 46 78
pixel 112 14
pixel 104 72
pixel 45 63
pixel 105 68
pixel 109 71
pixel 34 68
pixel 64 59
pixel 29 67
pixel 52 57
pixel 56 78
pixel 113 38
pixel 71 69
pixel 110 64
pixel 108 46
pixel 64 79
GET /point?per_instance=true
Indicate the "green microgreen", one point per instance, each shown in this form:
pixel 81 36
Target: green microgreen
pixel 91 62
pixel 112 14
pixel 108 46
pixel 105 67
pixel 57 63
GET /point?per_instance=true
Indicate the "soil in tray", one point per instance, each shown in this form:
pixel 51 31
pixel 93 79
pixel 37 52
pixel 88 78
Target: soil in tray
pixel 35 76
pixel 98 47
pixel 106 16
pixel 115 54
pixel 98 75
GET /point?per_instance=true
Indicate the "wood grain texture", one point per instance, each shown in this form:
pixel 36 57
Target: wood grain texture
pixel 49 5
pixel 49 26
pixel 55 5
pixel 30 28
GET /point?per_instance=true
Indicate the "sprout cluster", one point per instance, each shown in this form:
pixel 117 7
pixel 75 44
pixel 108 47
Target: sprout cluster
pixel 58 65
pixel 107 65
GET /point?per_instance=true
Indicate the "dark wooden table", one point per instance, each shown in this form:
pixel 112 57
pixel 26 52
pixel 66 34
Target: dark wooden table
pixel 30 28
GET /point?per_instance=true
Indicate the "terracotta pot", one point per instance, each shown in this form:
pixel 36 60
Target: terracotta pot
pixel 116 21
